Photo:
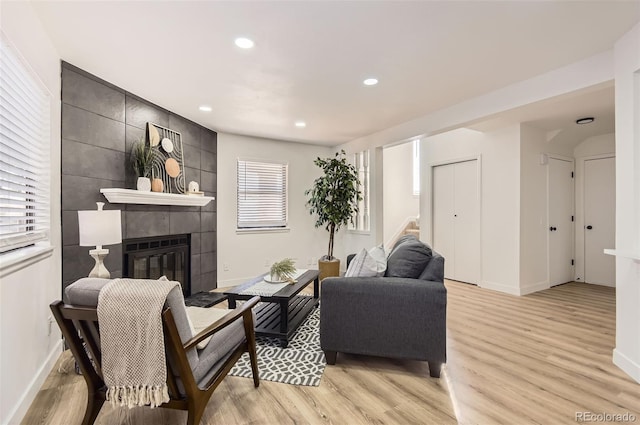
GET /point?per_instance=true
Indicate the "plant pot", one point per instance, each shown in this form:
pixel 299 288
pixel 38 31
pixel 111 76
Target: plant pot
pixel 329 268
pixel 157 185
pixel 143 184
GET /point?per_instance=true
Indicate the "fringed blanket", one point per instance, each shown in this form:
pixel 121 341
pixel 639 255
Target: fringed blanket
pixel 133 354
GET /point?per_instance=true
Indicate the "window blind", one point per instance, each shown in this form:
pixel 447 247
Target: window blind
pixel 24 153
pixel 262 194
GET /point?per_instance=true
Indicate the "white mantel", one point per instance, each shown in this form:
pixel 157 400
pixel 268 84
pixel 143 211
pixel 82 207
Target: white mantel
pixel 130 196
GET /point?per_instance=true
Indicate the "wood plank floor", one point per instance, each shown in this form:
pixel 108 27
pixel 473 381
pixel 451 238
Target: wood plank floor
pixel 536 359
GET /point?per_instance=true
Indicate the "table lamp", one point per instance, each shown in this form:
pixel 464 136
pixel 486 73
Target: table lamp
pixel 99 228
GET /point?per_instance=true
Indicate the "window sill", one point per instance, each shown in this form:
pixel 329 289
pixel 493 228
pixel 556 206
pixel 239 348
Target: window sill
pixel 263 230
pixel 11 262
pixel 359 232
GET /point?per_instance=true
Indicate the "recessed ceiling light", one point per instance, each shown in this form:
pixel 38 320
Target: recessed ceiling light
pixel 370 82
pixel 244 43
pixel 300 124
pixel 205 108
pixel 585 120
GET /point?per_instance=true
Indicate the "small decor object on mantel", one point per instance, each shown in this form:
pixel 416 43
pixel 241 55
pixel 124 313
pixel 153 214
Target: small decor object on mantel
pixel 141 160
pixel 157 185
pixel 282 271
pixel 194 186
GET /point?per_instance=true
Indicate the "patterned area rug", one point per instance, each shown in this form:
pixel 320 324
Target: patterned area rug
pixel 301 363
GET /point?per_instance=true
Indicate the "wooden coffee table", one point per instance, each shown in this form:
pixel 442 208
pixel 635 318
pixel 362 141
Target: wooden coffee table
pixel 280 314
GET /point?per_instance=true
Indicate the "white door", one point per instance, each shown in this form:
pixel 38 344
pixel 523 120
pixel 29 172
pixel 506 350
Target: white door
pixel 560 196
pixel 599 220
pixel 443 224
pixel 456 219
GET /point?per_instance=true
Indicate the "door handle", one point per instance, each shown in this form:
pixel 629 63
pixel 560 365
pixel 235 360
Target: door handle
pixel 589 227
pixel 552 229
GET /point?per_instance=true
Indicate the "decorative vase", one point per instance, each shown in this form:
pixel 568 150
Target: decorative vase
pixel 157 185
pixel 143 184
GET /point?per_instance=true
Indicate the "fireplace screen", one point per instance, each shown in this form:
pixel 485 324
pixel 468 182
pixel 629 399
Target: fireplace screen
pixel 151 258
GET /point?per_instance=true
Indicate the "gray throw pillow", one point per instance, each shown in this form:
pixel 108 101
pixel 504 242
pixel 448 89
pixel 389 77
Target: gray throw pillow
pixel 408 259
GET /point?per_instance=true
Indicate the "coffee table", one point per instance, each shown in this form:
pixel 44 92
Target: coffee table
pixel 279 315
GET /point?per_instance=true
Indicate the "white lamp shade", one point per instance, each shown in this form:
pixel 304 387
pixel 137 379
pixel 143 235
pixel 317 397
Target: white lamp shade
pixel 99 228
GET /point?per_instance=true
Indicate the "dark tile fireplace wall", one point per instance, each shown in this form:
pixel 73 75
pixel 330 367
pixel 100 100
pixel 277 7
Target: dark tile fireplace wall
pixel 100 123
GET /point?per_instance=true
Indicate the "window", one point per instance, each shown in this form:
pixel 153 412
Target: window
pixel 361 220
pixel 262 195
pixel 416 167
pixel 24 153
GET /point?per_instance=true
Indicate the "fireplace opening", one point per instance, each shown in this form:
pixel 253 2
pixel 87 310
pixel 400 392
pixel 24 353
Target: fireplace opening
pixel 153 257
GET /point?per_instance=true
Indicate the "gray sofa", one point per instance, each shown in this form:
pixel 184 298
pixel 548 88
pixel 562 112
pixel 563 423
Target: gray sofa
pixel 399 315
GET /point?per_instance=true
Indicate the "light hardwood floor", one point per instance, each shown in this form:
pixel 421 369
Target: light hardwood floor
pixel 511 360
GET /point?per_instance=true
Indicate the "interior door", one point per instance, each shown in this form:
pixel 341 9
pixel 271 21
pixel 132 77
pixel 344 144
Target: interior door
pixel 467 224
pixel 456 223
pixel 599 220
pixel 443 220
pixel 560 197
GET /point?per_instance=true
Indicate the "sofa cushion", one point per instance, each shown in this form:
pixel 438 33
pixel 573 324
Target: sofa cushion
pixel 408 259
pixel 362 265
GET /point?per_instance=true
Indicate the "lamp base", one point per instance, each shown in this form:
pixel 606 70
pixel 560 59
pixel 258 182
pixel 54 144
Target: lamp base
pixel 99 270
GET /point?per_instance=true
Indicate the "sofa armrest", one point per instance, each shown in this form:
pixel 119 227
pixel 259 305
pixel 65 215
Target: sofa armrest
pixel 385 316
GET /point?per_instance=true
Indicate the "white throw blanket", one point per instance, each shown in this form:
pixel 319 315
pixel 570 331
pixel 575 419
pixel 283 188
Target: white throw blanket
pixel 133 354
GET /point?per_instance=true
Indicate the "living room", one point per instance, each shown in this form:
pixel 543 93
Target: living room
pixel 513 262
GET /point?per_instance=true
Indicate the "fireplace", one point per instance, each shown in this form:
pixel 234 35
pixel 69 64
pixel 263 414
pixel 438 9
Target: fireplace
pixel 151 258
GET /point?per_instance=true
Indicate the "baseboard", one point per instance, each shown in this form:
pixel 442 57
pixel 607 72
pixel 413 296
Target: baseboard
pixel 627 365
pixel 16 416
pixel 500 287
pixel 534 287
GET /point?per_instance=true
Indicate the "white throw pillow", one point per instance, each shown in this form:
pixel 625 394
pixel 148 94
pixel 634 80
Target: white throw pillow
pixel 379 254
pixel 362 265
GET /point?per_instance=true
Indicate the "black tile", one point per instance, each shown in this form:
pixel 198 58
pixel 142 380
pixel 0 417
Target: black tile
pixel 195 243
pixel 86 93
pixel 139 113
pixel 192 174
pixel 208 161
pixel 196 285
pixel 184 222
pixel 149 208
pixel 211 206
pixel 79 159
pixel 140 224
pixel 208 242
pixel 70 228
pixel 113 261
pixel 195 265
pixel 87 127
pixel 208 262
pixel 209 181
pixel 208 140
pixel 82 193
pixel 189 132
pixel 208 281
pixel 76 262
pixel 191 156
pixel 208 223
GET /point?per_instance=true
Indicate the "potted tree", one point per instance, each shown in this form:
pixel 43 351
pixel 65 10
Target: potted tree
pixel 141 160
pixel 334 200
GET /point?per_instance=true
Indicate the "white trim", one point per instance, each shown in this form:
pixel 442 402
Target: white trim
pixel 256 230
pixel 24 402
pixel 11 262
pixel 627 365
pixel 622 253
pixel 130 196
pixel 505 289
pixel 534 287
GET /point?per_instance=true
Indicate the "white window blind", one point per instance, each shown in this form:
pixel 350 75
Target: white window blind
pixel 262 194
pixel 24 153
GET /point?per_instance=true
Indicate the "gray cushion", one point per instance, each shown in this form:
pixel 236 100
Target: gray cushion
pixel 218 347
pixel 435 269
pixel 85 291
pixel 408 259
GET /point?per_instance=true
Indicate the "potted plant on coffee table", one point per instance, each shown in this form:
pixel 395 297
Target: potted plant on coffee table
pixel 334 200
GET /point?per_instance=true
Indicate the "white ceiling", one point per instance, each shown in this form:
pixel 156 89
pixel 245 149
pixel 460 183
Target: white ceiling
pixel 310 57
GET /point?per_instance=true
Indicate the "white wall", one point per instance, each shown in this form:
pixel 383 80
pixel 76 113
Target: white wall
pixel 627 77
pixel 591 147
pixel 534 207
pixel 29 344
pixel 249 254
pixel 399 201
pixel 499 158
